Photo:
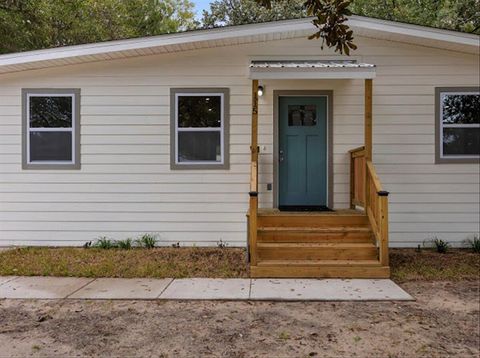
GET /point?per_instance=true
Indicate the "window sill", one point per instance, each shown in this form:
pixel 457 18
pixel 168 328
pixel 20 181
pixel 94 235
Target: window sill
pixel 69 166
pixel 457 160
pixel 191 166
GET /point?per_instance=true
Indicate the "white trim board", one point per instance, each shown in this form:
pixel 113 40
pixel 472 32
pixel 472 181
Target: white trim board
pixel 311 73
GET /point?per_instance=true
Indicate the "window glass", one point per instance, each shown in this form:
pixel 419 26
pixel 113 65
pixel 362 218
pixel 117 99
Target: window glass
pixel 50 146
pixel 300 115
pixel 460 108
pixel 199 111
pixel 199 146
pixel 50 112
pixel 461 141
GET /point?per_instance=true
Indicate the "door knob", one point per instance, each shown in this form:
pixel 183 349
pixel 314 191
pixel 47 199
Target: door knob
pixel 280 158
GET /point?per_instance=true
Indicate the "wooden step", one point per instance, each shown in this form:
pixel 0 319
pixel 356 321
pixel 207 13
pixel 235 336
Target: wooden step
pixel 311 221
pixel 319 244
pixel 319 236
pixel 316 251
pixel 359 263
pixel 320 271
pixel 315 229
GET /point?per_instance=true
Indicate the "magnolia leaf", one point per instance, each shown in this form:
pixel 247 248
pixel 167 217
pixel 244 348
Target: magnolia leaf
pixel 331 16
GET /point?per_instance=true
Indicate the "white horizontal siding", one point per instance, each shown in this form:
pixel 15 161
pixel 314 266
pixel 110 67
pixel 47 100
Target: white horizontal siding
pixel 126 187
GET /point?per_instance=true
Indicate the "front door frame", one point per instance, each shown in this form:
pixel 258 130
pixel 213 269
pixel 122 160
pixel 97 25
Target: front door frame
pixel 276 137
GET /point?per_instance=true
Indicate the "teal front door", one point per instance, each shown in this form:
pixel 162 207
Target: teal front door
pixel 302 153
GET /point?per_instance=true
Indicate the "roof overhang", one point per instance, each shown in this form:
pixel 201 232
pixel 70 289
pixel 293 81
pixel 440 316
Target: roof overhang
pixel 296 70
pixel 233 35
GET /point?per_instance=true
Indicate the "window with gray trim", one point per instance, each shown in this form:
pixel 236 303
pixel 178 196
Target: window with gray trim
pixel 50 129
pixel 199 123
pixel 458 125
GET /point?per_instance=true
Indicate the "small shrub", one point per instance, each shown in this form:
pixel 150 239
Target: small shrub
pixel 124 244
pixel 441 246
pixel 221 244
pixel 176 245
pixel 87 245
pixel 147 241
pixel 474 244
pixel 105 243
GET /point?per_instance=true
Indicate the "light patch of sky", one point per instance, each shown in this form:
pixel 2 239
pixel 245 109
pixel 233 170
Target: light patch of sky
pixel 201 5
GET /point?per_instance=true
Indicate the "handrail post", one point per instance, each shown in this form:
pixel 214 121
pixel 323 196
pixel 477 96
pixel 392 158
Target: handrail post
pixel 253 203
pixel 368 119
pixel 352 181
pixel 384 227
pixel 368 135
pixel 254 135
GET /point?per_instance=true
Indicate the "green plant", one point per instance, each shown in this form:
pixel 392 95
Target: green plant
pixel 441 246
pixel 124 244
pixel 147 241
pixel 222 244
pixel 474 243
pixel 105 243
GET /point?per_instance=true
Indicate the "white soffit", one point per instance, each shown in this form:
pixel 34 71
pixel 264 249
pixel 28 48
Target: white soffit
pixel 233 35
pixel 310 69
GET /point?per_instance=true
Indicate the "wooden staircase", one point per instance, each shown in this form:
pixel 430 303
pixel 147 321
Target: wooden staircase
pixel 322 244
pixel 346 244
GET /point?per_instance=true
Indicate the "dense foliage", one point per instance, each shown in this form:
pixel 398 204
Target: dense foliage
pixel 34 24
pixel 460 15
pixel 237 12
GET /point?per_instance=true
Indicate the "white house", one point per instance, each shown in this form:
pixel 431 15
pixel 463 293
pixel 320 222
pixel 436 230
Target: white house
pixel 160 134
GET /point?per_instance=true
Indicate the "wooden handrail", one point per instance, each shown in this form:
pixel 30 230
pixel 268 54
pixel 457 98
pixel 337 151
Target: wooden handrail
pixel 357 151
pixel 373 175
pixel 367 192
pixel 376 207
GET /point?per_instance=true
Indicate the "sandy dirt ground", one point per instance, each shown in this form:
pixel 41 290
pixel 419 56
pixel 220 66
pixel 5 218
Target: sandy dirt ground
pixel 442 322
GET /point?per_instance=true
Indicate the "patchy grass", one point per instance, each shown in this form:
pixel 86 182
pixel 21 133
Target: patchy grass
pixel 406 264
pixel 94 262
pixel 429 265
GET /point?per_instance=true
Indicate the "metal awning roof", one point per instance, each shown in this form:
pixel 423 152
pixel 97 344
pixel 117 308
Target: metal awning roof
pixel 311 69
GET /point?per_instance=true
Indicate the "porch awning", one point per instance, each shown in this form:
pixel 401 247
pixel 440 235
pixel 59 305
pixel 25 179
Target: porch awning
pixel 310 69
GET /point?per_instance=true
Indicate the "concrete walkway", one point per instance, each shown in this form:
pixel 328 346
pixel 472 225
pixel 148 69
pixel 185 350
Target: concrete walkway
pixel 19 287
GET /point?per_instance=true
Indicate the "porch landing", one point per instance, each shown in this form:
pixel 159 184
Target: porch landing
pixel 277 212
pixel 327 244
